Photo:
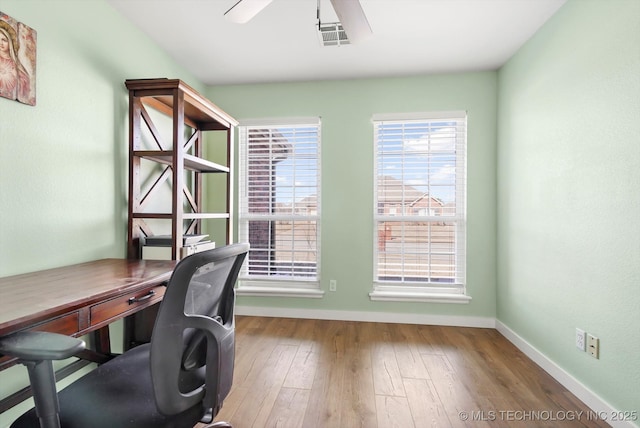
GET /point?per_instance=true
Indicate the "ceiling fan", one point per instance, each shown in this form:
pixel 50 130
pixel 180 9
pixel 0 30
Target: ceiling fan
pixel 353 21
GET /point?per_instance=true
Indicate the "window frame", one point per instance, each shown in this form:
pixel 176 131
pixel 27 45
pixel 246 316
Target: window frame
pixel 418 291
pixel 277 285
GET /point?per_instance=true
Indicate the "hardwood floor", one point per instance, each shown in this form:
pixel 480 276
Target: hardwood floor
pixel 340 374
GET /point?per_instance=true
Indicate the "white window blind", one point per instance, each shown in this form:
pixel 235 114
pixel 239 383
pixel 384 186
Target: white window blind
pixel 279 204
pixel 420 185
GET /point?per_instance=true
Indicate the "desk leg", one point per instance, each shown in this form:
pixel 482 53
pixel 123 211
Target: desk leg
pixel 129 333
pixel 102 340
pixel 138 327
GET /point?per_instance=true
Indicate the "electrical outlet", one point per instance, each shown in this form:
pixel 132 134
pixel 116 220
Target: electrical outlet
pixel 332 285
pixel 581 340
pixel 593 346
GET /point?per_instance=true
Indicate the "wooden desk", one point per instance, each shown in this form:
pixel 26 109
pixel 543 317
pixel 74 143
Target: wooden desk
pixel 75 300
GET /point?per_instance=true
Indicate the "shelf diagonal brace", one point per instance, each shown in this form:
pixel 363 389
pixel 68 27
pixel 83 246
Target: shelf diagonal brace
pixel 191 228
pixel 151 126
pixel 154 187
pixel 190 199
pixel 193 224
pixel 144 227
pixel 192 139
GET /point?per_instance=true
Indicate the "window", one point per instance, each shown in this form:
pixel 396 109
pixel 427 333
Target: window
pixel 279 207
pixel 420 207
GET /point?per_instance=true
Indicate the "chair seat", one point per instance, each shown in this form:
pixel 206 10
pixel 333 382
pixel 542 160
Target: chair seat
pixel 118 394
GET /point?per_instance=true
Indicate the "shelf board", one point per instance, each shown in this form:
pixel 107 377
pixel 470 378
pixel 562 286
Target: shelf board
pixel 159 94
pixel 193 216
pixel 166 216
pixel 192 163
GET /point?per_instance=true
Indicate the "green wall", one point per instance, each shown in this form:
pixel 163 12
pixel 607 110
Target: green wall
pixel 63 167
pixel 568 198
pixel 63 163
pixel 346 108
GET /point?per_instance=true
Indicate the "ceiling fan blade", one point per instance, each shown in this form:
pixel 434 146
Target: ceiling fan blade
pixel 353 19
pixel 245 10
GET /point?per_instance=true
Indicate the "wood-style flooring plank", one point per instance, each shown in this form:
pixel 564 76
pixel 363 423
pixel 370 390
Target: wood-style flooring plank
pixel 407 350
pixel 265 395
pixel 393 412
pixel 305 362
pixel 326 392
pixel 387 379
pixel 358 409
pixel 288 409
pixel 424 402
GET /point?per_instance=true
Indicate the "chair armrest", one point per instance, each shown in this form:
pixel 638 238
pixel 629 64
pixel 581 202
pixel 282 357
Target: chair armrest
pixel 40 345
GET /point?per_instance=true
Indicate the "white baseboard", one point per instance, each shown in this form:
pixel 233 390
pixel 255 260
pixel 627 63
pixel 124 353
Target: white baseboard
pixel 588 397
pixel 319 314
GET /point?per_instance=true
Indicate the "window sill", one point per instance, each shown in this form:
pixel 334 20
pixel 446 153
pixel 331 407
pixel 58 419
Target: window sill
pixel 261 289
pixel 425 296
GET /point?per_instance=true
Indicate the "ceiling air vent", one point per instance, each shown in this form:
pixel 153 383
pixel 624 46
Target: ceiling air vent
pixel 332 34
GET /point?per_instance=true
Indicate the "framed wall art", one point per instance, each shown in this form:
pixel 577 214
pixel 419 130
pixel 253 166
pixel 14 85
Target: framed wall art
pixel 17 60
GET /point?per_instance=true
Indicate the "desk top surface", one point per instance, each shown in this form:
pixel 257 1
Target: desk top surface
pixel 39 295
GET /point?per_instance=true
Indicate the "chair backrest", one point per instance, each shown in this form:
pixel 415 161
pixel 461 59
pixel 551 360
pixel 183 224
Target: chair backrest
pixel 193 340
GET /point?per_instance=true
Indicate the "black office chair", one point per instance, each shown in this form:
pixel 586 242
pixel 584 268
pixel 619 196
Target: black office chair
pixel 179 379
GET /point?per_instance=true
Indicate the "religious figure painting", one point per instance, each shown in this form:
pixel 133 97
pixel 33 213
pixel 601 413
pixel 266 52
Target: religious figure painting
pixel 17 60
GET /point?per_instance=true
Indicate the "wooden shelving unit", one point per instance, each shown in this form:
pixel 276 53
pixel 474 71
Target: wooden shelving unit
pixel 180 159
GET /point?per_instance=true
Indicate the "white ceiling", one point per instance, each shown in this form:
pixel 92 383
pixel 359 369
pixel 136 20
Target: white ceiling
pixel 281 43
